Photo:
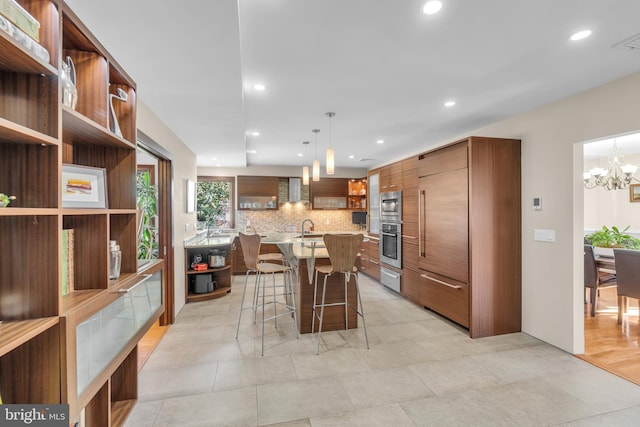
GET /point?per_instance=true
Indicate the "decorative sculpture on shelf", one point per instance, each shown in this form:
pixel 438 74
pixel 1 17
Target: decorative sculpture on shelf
pixel 113 120
pixel 68 81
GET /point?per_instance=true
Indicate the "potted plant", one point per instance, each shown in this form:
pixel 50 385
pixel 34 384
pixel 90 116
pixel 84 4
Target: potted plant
pixel 610 238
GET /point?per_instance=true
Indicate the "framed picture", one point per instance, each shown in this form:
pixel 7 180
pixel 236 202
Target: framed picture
pixel 634 193
pixel 83 187
pixel 191 196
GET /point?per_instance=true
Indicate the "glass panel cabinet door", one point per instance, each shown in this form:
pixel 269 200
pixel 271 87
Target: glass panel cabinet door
pixel 102 336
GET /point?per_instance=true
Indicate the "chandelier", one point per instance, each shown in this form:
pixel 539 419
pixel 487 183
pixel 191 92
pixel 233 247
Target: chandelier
pixel 618 176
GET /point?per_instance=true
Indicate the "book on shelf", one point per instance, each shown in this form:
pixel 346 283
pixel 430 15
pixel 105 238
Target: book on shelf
pixel 67 261
pixel 22 19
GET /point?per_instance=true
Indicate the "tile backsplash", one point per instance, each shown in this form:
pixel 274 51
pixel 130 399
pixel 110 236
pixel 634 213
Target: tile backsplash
pixel 289 218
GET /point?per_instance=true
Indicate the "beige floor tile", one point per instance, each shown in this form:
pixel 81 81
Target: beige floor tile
pixel 535 402
pixel 454 375
pixel 199 354
pixel 382 416
pixel 369 389
pixel 254 371
pixel 162 384
pixel 623 418
pixel 299 399
pixel 393 355
pixel 337 361
pixel 297 423
pixel 462 409
pixel 224 408
pixel 144 414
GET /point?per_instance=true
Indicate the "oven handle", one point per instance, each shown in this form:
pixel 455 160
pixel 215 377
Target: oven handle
pixel 389 234
pixel 441 282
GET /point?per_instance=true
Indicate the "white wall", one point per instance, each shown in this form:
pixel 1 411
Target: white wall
pixel 184 167
pixel 552 166
pixel 602 207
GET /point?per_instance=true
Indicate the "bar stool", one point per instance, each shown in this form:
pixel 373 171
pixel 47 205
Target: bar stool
pixel 277 257
pixel 343 251
pixel 250 249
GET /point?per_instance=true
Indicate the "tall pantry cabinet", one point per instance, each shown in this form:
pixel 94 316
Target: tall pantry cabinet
pixel 50 342
pixel 469 237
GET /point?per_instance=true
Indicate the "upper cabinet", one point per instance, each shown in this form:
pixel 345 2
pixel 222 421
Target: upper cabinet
pixel 391 177
pixel 357 199
pixel 329 193
pixel 258 192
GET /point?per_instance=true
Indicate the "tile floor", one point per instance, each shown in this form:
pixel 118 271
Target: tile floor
pixel 421 370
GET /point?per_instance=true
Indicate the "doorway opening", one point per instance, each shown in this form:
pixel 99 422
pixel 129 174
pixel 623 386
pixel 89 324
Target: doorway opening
pixel 609 345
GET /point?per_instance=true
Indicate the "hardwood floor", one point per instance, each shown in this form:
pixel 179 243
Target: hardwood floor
pixel 149 342
pixel 611 346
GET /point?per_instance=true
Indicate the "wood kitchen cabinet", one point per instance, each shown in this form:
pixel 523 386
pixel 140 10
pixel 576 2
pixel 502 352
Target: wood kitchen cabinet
pixel 258 192
pixel 469 245
pixel 329 193
pixel 369 261
pixel 391 177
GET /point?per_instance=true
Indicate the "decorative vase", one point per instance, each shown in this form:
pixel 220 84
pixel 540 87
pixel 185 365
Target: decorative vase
pixel 68 82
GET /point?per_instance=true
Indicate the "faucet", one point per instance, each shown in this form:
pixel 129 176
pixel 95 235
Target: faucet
pixel 302 226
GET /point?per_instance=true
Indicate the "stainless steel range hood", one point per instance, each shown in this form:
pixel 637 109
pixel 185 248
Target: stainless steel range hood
pixel 295 186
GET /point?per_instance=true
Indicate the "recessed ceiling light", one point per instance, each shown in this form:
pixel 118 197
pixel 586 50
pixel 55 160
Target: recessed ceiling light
pixel 432 7
pixel 255 133
pixel 259 86
pixel 580 35
pixel 352 156
pixel 450 103
pixel 300 154
pixel 251 151
pixel 214 158
pixel 380 141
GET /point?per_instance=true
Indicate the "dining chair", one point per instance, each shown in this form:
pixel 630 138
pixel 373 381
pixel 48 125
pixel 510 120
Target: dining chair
pixel 250 250
pixel 343 251
pixel 594 279
pixel 628 274
pixel 268 257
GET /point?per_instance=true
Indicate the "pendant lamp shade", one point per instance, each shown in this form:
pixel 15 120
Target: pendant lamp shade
pixel 330 153
pixel 316 162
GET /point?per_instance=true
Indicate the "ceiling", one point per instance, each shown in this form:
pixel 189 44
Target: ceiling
pixel 384 67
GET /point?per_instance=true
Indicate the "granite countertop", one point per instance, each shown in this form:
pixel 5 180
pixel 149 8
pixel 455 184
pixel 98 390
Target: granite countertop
pixel 302 248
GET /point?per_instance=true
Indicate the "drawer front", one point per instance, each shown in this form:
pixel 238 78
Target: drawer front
pixel 410 259
pixel 446 296
pixel 412 286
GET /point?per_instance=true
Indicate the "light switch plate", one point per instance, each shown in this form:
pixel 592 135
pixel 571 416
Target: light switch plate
pixel 544 235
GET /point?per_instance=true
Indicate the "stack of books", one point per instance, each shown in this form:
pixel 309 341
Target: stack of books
pixel 22 27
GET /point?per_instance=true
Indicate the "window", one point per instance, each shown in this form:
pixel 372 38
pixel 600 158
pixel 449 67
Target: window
pixel 215 201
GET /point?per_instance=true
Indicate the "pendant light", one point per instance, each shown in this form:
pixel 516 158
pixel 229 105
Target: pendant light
pixel 316 162
pixel 305 169
pixel 330 154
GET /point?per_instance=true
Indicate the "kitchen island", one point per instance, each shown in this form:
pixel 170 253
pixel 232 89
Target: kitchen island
pixel 303 255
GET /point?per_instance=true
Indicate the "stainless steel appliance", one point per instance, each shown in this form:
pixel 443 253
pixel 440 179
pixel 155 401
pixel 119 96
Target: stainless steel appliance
pixel 390 279
pixel 391 207
pixel 391 244
pixel 391 228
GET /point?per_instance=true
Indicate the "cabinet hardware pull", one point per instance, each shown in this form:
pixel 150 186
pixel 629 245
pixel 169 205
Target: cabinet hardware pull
pixel 390 275
pixel 145 277
pixel 421 197
pixel 374 262
pixel 404 236
pixel 441 282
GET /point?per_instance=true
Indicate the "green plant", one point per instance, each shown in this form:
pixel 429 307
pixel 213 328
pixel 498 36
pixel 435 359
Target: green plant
pixel 213 198
pixel 612 238
pixel 146 202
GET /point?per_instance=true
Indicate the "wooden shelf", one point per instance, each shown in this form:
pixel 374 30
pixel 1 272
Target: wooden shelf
pixel 209 270
pixel 211 295
pixel 10 211
pixel 14 334
pixel 20 60
pixel 16 133
pixel 78 129
pixel 76 299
